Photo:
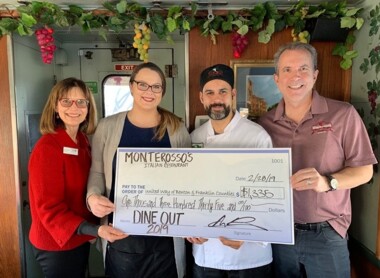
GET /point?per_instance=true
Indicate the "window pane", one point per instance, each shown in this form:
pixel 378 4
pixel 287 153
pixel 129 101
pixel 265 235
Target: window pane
pixel 116 94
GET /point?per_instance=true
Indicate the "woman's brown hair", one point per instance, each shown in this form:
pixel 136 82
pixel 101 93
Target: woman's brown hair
pixel 169 121
pixel 49 120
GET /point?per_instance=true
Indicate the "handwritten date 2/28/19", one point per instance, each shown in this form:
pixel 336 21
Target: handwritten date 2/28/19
pixel 258 178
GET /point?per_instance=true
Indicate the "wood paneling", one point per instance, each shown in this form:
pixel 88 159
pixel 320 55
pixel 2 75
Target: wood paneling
pixel 10 253
pixel 378 228
pixel 332 82
pixel 363 262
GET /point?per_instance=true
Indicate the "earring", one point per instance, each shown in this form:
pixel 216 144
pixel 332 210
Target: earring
pixel 57 115
pixel 84 125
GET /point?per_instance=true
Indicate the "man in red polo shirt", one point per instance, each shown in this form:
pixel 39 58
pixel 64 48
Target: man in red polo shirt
pixel 331 153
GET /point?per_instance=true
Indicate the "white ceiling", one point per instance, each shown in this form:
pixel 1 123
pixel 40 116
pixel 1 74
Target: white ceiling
pixel 76 35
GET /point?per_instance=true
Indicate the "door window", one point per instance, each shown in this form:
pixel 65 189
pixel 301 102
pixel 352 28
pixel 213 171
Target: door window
pixel 117 96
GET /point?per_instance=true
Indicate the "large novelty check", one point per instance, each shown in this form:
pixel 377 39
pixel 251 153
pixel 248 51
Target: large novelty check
pixel 241 194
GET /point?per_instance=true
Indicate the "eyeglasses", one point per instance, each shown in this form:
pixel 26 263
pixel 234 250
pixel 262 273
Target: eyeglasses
pixel 156 88
pixel 80 103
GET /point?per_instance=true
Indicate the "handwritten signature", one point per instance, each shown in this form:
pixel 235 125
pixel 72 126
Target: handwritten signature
pixel 239 221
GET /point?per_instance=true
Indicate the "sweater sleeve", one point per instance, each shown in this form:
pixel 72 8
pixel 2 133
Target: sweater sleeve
pixel 181 139
pixel 104 145
pixel 86 228
pixel 96 180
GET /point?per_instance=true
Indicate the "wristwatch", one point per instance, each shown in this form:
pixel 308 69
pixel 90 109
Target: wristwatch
pixel 333 183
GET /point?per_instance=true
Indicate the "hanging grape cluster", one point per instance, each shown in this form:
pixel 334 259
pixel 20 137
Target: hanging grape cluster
pixel 45 39
pixel 372 97
pixel 303 36
pixel 239 43
pixel 141 41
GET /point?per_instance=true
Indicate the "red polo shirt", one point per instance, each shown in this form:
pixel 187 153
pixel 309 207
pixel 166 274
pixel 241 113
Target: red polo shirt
pixel 330 137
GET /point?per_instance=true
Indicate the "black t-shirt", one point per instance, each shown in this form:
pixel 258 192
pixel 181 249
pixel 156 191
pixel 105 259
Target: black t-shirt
pixel 136 137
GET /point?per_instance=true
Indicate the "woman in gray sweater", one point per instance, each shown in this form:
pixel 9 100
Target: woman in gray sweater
pixel 149 126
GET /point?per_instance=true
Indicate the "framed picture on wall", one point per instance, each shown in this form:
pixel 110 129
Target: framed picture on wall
pixel 200 120
pixel 255 86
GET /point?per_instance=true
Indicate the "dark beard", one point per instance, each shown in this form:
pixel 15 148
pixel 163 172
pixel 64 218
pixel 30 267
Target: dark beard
pixel 218 115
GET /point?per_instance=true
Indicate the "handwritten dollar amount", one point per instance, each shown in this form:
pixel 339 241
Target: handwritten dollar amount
pixel 253 192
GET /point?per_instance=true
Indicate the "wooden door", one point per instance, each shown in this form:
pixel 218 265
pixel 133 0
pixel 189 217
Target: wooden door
pixel 10 252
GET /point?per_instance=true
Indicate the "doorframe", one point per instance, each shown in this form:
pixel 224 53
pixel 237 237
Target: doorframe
pixel 10 207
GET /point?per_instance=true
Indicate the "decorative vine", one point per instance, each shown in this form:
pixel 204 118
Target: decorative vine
pixel 264 18
pixel 372 64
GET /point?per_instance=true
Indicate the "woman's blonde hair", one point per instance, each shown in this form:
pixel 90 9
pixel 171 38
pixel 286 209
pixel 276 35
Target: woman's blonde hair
pixel 49 120
pixel 169 121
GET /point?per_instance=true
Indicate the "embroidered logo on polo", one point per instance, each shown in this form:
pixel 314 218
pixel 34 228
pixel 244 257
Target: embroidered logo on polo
pixel 321 127
pixel 197 145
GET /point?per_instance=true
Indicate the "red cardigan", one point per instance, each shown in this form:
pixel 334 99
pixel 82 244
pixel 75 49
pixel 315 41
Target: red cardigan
pixel 57 190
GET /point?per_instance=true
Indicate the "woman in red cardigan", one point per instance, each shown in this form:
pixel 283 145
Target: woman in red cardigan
pixel 59 165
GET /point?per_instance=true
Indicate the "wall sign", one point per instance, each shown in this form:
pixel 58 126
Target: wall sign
pixel 93 86
pixel 121 67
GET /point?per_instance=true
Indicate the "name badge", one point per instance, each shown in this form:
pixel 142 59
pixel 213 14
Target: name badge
pixel 71 151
